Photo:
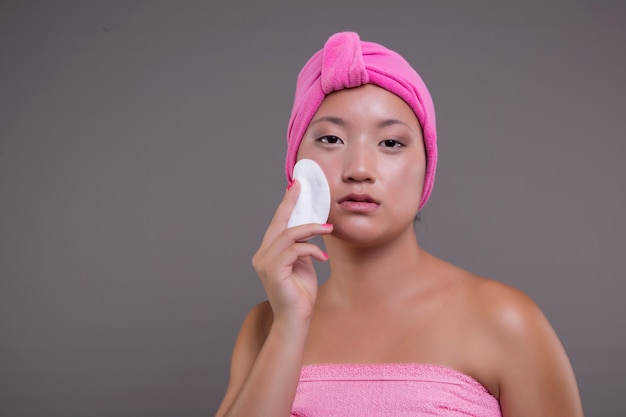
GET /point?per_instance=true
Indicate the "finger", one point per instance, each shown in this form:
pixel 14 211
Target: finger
pixel 297 234
pixel 271 251
pixel 283 212
pixel 286 259
pixel 306 250
pixel 305 232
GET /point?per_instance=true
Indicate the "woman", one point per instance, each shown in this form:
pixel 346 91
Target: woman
pixel 394 330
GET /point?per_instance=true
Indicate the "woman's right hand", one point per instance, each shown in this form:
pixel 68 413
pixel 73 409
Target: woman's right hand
pixel 267 357
pixel 283 262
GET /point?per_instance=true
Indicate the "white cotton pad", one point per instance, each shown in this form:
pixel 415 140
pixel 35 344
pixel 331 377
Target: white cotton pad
pixel 313 203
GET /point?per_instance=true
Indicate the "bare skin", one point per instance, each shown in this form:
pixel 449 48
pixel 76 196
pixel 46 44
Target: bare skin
pixel 386 300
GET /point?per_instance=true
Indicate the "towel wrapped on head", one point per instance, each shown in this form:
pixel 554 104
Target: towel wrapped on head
pixel 347 62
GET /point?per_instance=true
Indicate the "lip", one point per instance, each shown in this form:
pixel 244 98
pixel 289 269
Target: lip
pixel 358 203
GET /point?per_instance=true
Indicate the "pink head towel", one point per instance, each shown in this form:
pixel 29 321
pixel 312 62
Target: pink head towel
pixel 347 62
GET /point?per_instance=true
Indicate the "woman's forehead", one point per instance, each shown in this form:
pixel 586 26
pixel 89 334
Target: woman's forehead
pixel 369 104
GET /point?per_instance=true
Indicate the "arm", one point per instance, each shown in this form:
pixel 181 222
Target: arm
pixel 535 376
pixel 265 366
pixel 267 356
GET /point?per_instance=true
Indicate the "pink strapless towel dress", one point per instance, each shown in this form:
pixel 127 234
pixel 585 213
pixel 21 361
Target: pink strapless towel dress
pixel 386 390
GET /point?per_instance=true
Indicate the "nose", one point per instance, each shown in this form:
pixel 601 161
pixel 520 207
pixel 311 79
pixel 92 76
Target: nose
pixel 359 163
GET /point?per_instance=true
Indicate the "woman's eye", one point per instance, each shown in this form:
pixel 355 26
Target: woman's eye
pixel 391 143
pixel 330 139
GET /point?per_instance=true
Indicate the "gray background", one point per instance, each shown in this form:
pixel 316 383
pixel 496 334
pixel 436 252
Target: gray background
pixel 141 157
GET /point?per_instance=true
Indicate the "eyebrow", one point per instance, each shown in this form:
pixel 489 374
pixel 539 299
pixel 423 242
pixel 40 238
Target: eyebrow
pixel 334 120
pixel 392 122
pixel 341 122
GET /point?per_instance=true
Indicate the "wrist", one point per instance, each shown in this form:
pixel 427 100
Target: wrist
pixel 292 327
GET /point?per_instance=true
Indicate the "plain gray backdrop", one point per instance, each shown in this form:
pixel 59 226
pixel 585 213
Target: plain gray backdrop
pixel 141 158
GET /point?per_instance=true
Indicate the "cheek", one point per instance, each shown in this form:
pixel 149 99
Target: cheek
pixel 331 172
pixel 411 182
pixel 305 148
pixel 410 170
pixel 328 166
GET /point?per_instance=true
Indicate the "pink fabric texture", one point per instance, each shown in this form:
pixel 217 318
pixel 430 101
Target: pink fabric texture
pixel 347 62
pixel 386 390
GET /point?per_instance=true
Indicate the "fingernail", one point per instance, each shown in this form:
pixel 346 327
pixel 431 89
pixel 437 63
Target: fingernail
pixel 291 183
pixel 327 225
pixel 325 255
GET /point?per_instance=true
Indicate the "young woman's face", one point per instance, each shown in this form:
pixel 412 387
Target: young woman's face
pixel 369 144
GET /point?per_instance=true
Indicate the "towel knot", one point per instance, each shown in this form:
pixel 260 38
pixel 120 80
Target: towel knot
pixel 342 63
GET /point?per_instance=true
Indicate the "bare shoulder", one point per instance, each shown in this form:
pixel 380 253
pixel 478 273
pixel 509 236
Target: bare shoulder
pixel 530 365
pixel 497 307
pixel 510 312
pixel 513 322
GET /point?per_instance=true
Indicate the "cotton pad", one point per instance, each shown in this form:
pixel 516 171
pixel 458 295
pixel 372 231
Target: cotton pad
pixel 313 203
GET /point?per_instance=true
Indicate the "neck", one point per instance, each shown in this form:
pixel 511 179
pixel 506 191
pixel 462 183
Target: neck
pixel 363 275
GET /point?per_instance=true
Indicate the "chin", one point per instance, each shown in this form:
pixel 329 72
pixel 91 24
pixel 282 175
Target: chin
pixel 366 233
pixel 361 236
